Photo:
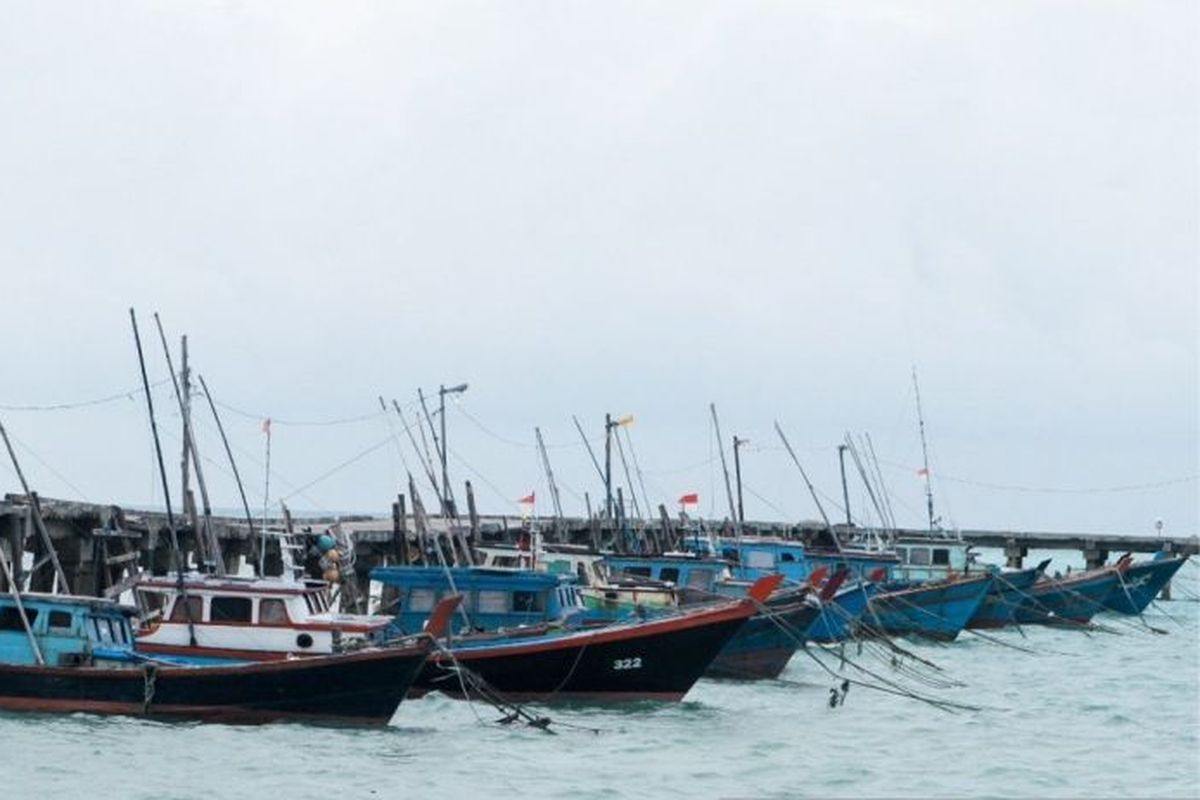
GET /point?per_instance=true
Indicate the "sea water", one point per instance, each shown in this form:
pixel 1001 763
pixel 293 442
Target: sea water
pixel 1104 714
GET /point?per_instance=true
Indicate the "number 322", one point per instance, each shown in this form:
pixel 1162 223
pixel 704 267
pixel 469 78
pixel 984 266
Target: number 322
pixel 627 663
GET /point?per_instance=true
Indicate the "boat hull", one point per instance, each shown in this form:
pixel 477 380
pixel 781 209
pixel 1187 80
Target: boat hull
pixel 934 611
pixel 765 644
pixel 1008 593
pixel 1067 601
pixel 1140 583
pixel 363 688
pixel 838 616
pixel 658 659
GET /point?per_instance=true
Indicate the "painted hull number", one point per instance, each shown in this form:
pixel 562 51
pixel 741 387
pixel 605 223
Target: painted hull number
pixel 627 663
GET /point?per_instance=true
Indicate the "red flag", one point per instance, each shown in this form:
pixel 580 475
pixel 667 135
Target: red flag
pixel 923 472
pixel 527 500
pixel 266 426
pixel 689 499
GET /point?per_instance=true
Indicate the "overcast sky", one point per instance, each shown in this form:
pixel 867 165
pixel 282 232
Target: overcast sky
pixel 627 207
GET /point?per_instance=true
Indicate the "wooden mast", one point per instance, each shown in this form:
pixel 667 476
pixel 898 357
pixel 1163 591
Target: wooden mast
pixel 176 553
pixel 257 546
pixel 211 548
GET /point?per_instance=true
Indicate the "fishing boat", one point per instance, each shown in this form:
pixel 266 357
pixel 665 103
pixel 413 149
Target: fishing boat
pixel 658 658
pixel 933 609
pixel 1009 592
pixel 216 619
pixel 62 653
pixel 616 586
pixel 840 614
pixel 765 644
pixel 1140 582
pixel 1068 600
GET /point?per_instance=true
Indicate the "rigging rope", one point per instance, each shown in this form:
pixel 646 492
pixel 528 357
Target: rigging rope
pixel 68 406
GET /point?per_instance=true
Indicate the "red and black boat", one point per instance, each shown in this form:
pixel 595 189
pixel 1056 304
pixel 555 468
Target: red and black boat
pixel 75 654
pixel 654 659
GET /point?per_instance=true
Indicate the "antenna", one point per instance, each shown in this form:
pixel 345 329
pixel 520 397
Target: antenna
pixel 259 544
pixel 737 523
pixel 558 512
pixel 812 492
pixel 924 450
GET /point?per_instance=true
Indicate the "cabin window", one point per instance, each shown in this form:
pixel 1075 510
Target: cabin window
pixel 272 611
pixel 492 602
pixel 730 554
pixel 759 559
pixel 118 631
pixel 637 572
pixel 10 618
pixel 902 554
pixel 152 601
pixel 229 609
pixel 787 557
pixel 941 556
pixel 528 601
pixel 507 561
pixel 60 622
pixel 103 631
pixel 421 600
pixel 316 602
pixel 700 579
pixel 192 612
pixel 669 574
pixel 919 556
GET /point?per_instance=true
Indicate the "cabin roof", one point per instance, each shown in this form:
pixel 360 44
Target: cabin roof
pixel 42 600
pixel 500 578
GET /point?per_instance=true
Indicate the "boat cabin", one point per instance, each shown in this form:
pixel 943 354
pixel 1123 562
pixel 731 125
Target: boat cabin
pixel 696 578
pixel 493 599
pixel 244 618
pixel 69 630
pixel 754 557
pixel 931 559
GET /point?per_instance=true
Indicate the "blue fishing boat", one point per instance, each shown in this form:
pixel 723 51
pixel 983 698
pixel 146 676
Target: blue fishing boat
pixel 1139 583
pixel 493 599
pixel 765 644
pixel 754 557
pixel 836 621
pixel 934 610
pixel 1067 600
pixel 1009 592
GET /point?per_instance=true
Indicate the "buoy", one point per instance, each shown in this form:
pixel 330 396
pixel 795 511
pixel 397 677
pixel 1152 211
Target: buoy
pixel 332 555
pixel 332 575
pixel 325 542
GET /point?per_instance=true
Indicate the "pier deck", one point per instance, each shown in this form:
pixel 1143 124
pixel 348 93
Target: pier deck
pixel 83 533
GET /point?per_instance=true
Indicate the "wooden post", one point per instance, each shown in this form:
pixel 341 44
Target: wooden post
pixel 1094 556
pixel 473 515
pixel 419 522
pixel 399 534
pixel 668 528
pixel 1014 553
pixel 39 523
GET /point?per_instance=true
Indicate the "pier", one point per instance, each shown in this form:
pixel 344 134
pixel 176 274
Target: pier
pixel 101 548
